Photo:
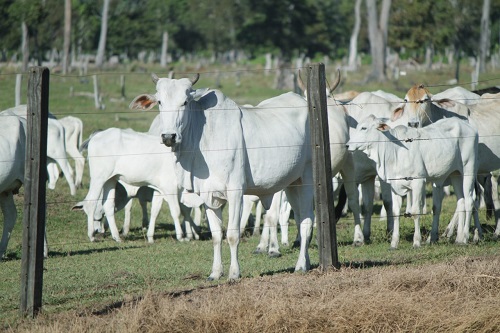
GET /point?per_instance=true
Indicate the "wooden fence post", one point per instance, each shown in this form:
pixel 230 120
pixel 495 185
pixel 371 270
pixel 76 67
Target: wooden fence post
pixel 35 178
pixel 323 188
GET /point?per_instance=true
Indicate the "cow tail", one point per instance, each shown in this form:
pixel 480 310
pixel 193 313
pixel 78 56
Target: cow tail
pixel 85 144
pixel 341 203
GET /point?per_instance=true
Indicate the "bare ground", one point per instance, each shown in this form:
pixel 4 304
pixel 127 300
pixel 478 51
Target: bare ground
pixel 462 295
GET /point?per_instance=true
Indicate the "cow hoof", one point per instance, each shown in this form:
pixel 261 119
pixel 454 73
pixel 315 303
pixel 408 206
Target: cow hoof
pixel 416 246
pixel 259 251
pixel 284 244
pixel 392 248
pixel 274 254
pixel 357 243
pixel 151 240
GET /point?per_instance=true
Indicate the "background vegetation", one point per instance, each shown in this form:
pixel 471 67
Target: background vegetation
pixel 225 29
pixel 88 280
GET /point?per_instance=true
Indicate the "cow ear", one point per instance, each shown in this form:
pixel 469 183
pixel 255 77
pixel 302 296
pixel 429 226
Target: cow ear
pixel 143 102
pixel 445 103
pixel 383 127
pixel 398 113
pixel 196 94
pixel 78 206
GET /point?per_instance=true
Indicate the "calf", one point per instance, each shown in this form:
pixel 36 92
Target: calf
pixel 408 157
pixel 136 159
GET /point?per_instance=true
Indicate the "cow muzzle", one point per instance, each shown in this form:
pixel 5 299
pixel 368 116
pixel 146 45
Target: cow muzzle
pixel 414 124
pixel 168 139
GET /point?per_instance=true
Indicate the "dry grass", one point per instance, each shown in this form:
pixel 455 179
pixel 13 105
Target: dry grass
pixel 457 296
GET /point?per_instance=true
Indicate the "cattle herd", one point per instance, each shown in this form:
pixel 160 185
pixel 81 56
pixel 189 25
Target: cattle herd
pixel 215 151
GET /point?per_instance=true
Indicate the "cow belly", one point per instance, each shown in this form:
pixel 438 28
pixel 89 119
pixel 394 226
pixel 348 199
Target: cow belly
pixel 275 168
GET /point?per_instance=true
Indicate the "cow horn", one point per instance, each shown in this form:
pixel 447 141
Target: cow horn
pixel 155 78
pixel 301 84
pixel 195 79
pixel 336 82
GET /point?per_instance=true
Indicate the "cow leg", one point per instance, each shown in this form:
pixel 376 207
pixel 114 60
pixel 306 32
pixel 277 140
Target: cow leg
pixel 90 206
pixel 258 217
pixel 245 215
pixel 127 218
pixel 457 183
pixel 386 191
pixel 264 236
pixel 68 173
pixel 79 165
pixel 45 244
pixel 283 219
pixel 437 203
pixel 397 201
pixel 349 177
pixel 368 192
pixel 192 230
pixel 468 184
pixel 175 212
pixel 451 226
pixel 214 217
pixel 418 200
pixel 144 209
pixel 301 200
pixel 156 203
pixel 235 202
pixel 496 203
pixel 108 206
pixel 9 217
pixel 52 174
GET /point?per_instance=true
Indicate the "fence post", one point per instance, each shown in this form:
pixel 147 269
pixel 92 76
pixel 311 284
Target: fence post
pixel 18 89
pixel 35 177
pixel 323 188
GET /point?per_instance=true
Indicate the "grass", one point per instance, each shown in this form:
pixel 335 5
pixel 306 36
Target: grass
pixel 82 276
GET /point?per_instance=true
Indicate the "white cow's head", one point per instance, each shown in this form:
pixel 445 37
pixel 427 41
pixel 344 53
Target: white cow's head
pixel 367 132
pixel 172 97
pixel 418 103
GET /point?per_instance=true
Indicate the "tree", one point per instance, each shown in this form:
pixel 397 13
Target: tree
pixel 377 32
pixel 353 44
pixel 67 35
pixel 99 60
pixel 485 35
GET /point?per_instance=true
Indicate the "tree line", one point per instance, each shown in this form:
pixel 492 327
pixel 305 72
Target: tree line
pixel 168 30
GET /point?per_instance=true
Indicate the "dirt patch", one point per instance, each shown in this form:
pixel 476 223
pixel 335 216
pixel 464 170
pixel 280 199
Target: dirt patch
pixel 457 296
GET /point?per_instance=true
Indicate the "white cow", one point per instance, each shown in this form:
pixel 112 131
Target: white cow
pixel 458 94
pixel 340 161
pixel 12 151
pixel 224 151
pixel 73 130
pixel 136 159
pixel 484 116
pixel 123 200
pixel 56 148
pixel 357 110
pixel 279 211
pixel 407 157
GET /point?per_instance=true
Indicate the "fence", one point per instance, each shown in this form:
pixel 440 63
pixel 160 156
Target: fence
pixel 327 232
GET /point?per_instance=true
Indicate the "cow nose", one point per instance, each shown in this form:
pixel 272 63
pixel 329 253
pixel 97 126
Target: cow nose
pixel 168 139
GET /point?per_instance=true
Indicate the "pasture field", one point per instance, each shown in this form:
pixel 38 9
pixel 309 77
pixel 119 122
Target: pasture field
pixel 91 280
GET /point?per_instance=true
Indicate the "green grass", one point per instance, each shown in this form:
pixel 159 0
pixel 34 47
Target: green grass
pixel 83 275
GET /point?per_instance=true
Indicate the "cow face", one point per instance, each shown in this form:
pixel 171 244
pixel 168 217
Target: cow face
pixel 417 103
pixel 367 132
pixel 172 96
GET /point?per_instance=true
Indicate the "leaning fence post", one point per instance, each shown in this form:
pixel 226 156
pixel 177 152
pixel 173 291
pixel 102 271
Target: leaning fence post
pixel 35 177
pixel 323 188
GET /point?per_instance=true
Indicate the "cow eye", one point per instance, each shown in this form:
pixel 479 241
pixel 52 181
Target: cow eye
pixel 406 101
pixel 159 102
pixel 363 128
